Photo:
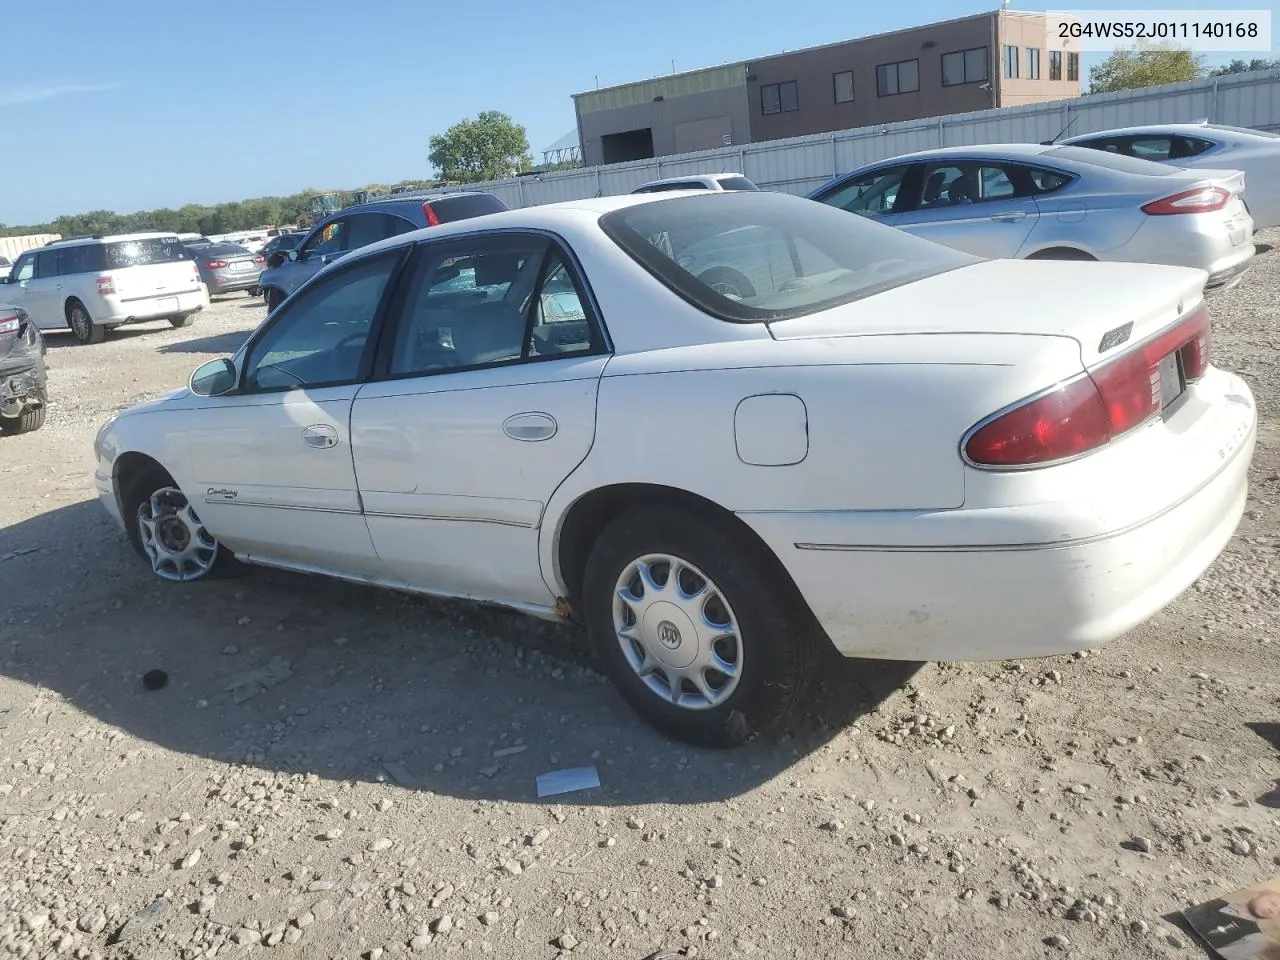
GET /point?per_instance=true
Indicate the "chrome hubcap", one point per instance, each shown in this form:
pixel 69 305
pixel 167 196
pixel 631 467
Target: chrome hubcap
pixel 677 632
pixel 174 538
pixel 80 323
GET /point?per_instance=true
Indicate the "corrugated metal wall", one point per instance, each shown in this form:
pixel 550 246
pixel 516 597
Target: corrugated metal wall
pixel 799 165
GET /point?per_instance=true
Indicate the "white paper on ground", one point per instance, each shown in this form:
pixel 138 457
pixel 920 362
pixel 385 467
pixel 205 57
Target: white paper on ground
pixel 567 781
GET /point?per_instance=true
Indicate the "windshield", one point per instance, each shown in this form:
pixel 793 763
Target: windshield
pixel 1119 162
pixel 757 256
pixel 140 253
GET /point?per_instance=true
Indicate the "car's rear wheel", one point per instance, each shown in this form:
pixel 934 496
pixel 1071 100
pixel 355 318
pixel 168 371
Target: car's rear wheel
pixel 728 283
pixel 186 320
pixel 31 418
pixel 82 326
pixel 167 531
pixel 704 636
pixel 274 299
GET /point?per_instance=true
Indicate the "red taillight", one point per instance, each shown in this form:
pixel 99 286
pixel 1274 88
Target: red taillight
pixel 259 259
pixel 9 323
pixel 106 285
pixel 432 219
pixel 1092 410
pixel 1199 200
pixel 215 264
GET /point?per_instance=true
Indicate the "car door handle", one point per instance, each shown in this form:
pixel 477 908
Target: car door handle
pixel 530 426
pixel 321 436
pixel 1013 217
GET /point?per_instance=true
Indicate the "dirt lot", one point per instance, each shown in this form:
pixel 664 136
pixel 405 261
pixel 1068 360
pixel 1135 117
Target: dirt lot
pixel 379 801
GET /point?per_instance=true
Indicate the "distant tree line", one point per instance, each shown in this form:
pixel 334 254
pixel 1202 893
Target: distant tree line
pixel 198 218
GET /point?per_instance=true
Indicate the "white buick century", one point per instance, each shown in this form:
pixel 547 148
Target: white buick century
pixel 718 429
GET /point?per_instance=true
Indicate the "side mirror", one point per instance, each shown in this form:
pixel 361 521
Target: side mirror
pixel 292 255
pixel 214 378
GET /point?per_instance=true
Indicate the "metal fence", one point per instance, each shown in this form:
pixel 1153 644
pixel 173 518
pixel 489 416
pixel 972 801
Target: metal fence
pixel 799 164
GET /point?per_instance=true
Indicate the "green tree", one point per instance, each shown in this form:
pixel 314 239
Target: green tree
pixel 1145 65
pixel 1245 66
pixel 490 147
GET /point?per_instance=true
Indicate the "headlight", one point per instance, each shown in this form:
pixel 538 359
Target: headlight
pixel 102 432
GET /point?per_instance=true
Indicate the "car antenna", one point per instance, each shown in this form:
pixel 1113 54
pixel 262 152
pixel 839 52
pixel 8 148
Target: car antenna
pixel 1061 133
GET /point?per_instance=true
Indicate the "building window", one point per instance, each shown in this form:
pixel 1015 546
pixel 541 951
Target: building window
pixel 779 97
pixel 844 86
pixel 1055 64
pixel 1033 63
pixel 1010 62
pixel 1073 66
pixel 900 77
pixel 964 66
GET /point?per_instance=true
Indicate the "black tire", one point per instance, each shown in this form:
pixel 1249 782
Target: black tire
pixel 139 489
pixel 728 282
pixel 776 632
pixel 275 297
pixel 186 320
pixel 31 418
pixel 81 323
pixel 1061 253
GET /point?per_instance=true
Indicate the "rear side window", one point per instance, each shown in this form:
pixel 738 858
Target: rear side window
pixel 737 183
pixel 448 208
pixel 144 252
pixel 366 228
pixel 677 185
pixel 1046 181
pixel 80 259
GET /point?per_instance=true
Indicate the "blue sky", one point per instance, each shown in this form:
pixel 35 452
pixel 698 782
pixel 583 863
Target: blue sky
pixel 159 104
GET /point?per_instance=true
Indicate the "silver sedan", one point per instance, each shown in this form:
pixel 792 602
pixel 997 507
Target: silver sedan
pixel 1031 201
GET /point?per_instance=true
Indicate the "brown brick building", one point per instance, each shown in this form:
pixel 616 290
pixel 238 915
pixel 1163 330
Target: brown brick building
pixel 996 59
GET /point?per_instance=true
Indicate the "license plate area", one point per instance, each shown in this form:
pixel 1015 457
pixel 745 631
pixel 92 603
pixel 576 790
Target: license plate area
pixel 1173 382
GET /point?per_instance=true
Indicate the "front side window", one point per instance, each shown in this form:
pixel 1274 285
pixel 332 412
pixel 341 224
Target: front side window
pixel 895 78
pixel 319 338
pixel 331 238
pixel 47 264
pixel 1055 64
pixel 366 228
pixel 964 66
pixel 24 269
pixel 958 182
pixel 871 195
pixel 844 86
pixel 785 256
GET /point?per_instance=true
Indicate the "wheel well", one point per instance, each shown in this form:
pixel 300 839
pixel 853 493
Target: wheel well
pixel 129 470
pixel 66 307
pixel 1056 253
pixel 590 514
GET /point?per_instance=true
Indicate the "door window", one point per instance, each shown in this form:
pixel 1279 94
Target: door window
pixel 949 184
pixel 24 269
pixel 331 238
pixel 871 195
pixel 46 264
pixel 488 302
pixel 319 339
pixel 366 228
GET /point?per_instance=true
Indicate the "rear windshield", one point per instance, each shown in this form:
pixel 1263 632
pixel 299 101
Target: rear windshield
pixel 461 208
pixel 755 256
pixel 222 250
pixel 140 253
pixel 1119 162
pixel 737 183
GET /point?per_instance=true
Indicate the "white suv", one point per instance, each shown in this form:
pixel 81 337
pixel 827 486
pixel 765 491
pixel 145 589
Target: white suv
pixel 91 284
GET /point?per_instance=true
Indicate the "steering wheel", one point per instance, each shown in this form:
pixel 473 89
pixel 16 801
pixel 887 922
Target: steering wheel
pixel 342 344
pixel 275 366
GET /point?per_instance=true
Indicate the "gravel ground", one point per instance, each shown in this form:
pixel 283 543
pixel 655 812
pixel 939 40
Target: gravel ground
pixel 376 797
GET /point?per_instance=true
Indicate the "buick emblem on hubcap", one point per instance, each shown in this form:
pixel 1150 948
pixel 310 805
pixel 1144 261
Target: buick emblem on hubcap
pixel 669 634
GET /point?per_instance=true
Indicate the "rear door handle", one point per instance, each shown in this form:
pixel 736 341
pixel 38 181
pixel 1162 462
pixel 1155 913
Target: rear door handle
pixel 321 436
pixel 530 426
pixel 1009 217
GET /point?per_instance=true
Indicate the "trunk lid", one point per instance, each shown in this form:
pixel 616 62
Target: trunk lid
pixel 149 267
pixel 1102 306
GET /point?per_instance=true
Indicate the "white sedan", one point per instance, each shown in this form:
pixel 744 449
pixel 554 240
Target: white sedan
pixel 1205 145
pixel 891 446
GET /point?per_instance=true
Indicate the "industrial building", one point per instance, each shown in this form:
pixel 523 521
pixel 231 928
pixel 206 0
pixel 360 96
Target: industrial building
pixel 998 59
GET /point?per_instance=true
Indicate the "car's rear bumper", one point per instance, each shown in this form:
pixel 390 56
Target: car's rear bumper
pixel 996 583
pixel 1196 240
pixel 231 283
pixel 153 308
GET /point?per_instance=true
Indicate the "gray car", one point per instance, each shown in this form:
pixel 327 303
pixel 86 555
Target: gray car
pixel 226 267
pixel 1053 202
pixel 358 226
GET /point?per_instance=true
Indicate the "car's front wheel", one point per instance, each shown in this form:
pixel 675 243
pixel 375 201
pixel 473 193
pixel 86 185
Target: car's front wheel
pixel 169 533
pixel 275 297
pixel 703 634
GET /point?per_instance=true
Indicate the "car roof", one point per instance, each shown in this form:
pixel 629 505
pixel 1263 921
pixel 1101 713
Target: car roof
pixel 1191 128
pixel 113 238
pixel 692 176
